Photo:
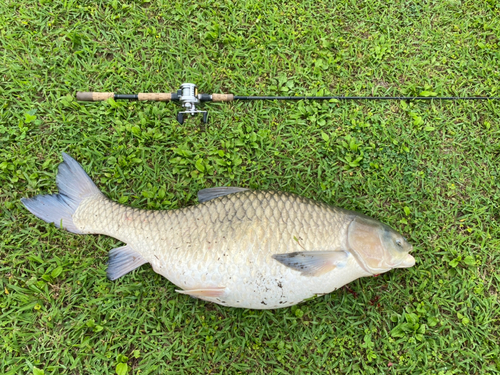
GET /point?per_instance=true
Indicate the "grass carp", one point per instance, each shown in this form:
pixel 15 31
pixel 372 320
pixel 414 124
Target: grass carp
pixel 238 247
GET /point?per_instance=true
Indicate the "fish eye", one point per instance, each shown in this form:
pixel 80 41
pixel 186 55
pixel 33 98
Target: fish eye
pixel 399 243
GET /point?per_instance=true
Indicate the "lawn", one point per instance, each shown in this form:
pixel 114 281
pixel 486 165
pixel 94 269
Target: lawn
pixel 428 169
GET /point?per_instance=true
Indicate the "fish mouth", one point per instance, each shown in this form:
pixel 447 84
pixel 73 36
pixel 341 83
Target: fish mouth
pixel 408 262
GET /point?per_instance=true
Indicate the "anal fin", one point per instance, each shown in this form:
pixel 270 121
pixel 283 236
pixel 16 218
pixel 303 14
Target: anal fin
pixel 313 263
pixel 122 260
pixel 200 293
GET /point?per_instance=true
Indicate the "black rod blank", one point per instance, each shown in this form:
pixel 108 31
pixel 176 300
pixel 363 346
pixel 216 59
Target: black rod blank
pixel 365 98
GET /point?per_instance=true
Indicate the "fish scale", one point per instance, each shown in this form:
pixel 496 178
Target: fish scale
pixel 241 248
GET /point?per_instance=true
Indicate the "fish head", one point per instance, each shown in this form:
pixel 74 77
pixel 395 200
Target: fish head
pixel 378 247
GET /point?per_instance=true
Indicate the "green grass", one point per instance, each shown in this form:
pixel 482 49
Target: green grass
pixel 431 170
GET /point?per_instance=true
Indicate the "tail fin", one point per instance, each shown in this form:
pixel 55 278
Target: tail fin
pixel 74 186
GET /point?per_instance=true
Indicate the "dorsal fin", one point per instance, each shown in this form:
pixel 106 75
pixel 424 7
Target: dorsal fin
pixel 211 193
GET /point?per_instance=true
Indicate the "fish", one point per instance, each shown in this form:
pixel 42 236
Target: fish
pixel 237 247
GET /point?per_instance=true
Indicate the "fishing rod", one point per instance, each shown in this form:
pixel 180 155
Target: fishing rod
pixel 189 97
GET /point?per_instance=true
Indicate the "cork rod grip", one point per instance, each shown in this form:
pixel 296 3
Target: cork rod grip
pixel 94 96
pixel 222 97
pixel 161 97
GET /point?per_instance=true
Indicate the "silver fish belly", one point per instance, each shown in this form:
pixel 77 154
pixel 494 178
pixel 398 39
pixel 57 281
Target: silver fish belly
pixel 240 248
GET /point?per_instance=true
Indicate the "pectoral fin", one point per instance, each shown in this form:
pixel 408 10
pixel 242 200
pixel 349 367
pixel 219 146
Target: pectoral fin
pixel 200 293
pixel 122 260
pixel 313 263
